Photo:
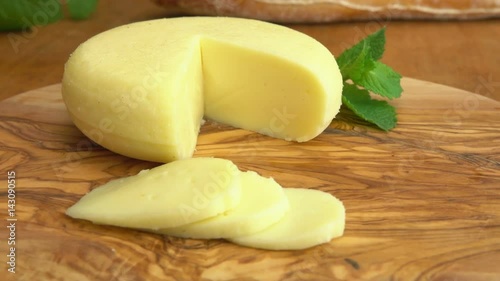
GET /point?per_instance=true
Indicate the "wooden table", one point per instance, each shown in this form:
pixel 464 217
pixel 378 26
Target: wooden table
pixel 422 201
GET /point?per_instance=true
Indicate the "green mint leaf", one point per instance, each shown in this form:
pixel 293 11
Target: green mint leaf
pixel 22 14
pixel 355 61
pixel 358 59
pixel 381 80
pixel 81 9
pixel 360 65
pixel 377 112
pixel 376 41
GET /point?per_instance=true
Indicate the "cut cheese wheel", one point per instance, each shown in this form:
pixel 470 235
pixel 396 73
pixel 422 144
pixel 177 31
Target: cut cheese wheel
pixel 170 195
pixel 263 203
pixel 315 217
pixel 142 89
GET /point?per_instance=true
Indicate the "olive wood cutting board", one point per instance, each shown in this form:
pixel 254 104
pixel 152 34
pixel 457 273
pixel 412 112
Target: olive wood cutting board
pixel 422 201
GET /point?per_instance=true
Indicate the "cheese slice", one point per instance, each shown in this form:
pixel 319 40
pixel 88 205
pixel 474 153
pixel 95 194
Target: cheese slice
pixel 142 89
pixel 170 195
pixel 314 218
pixel 263 203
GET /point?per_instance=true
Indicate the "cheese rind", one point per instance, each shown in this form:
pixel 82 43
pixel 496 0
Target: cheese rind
pixel 263 203
pixel 141 89
pixel 138 107
pixel 314 218
pixel 170 195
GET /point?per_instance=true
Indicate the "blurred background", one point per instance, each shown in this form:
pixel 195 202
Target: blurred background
pixel 454 43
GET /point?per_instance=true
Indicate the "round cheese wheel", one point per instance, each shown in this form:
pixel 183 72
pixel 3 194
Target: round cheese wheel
pixel 142 89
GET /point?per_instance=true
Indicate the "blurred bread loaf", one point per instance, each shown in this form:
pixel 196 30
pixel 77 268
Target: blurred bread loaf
pixel 290 11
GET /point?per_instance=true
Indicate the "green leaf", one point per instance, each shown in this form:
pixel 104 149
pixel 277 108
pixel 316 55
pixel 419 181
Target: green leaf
pixel 358 59
pixel 376 41
pixel 81 9
pixel 360 65
pixel 377 112
pixel 22 14
pixel 354 62
pixel 381 80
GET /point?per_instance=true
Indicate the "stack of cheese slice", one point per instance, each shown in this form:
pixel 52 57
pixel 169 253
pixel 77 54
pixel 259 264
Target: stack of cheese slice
pixel 211 198
pixel 142 89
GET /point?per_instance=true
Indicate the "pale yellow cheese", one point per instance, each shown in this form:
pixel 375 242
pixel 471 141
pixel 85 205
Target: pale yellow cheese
pixel 314 218
pixel 263 203
pixel 170 195
pixel 142 89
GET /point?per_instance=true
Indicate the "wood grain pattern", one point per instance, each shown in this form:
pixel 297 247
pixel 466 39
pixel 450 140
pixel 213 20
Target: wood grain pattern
pixel 423 201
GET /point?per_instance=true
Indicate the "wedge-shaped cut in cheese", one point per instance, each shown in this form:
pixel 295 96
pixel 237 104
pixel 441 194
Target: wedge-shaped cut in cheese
pixel 263 203
pixel 170 195
pixel 142 89
pixel 315 217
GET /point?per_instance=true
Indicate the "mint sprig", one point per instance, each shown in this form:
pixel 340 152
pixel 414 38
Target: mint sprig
pixel 362 73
